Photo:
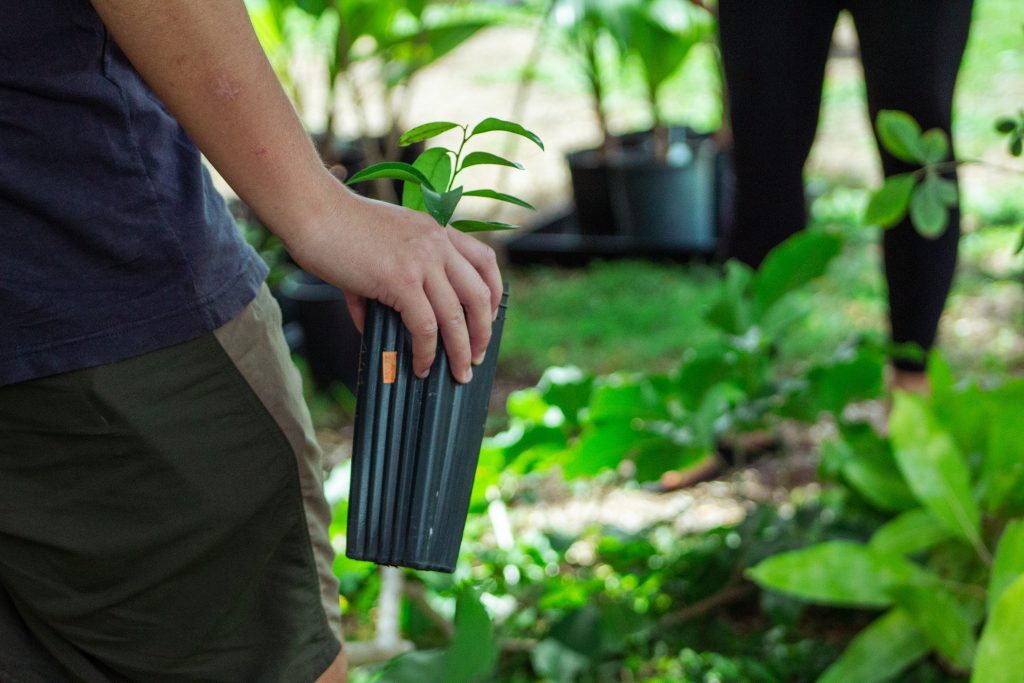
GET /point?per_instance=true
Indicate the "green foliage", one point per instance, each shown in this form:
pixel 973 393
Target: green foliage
pixel 932 560
pixel 430 180
pixel 925 194
pixel 665 421
pixel 1013 128
pixel 879 652
pixel 470 658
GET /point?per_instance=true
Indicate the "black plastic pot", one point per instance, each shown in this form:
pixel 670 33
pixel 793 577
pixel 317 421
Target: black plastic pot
pixel 330 340
pixel 415 449
pixel 591 191
pixel 669 204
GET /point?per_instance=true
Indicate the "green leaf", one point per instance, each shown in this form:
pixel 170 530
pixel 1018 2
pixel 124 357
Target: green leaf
pixel 492 124
pixel 602 448
pixel 395 170
pixel 441 206
pixel 1017 145
pixel 910 533
pixel 436 164
pixel 473 653
pixel 941 619
pixel 1002 465
pixel 880 652
pixel 888 205
pixel 934 146
pixel 868 467
pixel 840 573
pixel 425 132
pixel 933 466
pixel 1000 657
pixel 901 136
pixel 481 226
pixel 501 197
pixel 1005 125
pixel 486 158
pixel 731 310
pixel 928 210
pixel 1009 562
pixel 415 667
pixel 791 265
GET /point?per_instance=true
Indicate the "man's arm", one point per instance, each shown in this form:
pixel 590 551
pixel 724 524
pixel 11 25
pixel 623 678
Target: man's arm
pixel 203 59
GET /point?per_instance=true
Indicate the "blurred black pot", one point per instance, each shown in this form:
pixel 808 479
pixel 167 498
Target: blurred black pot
pixel 330 340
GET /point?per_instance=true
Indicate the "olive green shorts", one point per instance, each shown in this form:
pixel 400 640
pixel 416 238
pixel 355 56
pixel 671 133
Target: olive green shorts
pixel 163 518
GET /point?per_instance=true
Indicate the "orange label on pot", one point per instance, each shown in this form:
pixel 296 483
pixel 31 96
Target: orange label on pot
pixel 389 366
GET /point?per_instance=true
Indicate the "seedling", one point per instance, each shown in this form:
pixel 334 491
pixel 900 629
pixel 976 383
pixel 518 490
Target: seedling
pixel 431 181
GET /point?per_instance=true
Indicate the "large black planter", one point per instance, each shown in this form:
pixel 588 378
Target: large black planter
pixel 415 449
pixel 627 193
pixel 330 338
pixel 668 204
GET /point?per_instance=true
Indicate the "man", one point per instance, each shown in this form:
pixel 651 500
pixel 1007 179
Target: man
pixel 161 509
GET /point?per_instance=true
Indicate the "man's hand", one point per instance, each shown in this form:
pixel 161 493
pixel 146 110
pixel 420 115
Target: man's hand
pixel 439 279
pixel 205 63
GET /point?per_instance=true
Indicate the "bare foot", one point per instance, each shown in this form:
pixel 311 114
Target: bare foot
pixel 911 381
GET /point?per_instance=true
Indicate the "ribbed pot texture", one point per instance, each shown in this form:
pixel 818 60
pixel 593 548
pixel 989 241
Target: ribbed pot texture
pixel 415 449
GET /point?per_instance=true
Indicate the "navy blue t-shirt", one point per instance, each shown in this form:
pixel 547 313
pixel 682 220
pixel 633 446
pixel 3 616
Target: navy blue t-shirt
pixel 113 241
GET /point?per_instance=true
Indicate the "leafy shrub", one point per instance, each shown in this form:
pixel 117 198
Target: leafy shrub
pixel 950 560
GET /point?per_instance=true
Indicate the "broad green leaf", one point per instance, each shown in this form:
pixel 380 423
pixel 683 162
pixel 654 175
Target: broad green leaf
pixel 395 170
pixel 791 265
pixel 489 125
pixel 868 467
pixel 910 533
pixel 441 206
pixel 928 210
pixel 1000 657
pixel 481 226
pixel 933 466
pixel 947 191
pixel 1002 466
pixel 840 573
pixel 888 205
pixel 486 158
pixel 658 455
pixel 941 619
pixel 436 164
pixel 473 653
pixel 501 197
pixel 602 448
pixel 731 311
pixel 900 135
pixel 418 666
pixel 1009 562
pixel 934 146
pixel 834 386
pixel 425 132
pixel 880 652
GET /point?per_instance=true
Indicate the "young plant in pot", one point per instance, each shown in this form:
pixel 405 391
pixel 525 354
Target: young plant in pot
pixel 656 191
pixel 663 191
pixel 417 440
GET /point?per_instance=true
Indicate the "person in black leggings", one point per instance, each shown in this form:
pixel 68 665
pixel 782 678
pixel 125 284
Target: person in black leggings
pixel 774 53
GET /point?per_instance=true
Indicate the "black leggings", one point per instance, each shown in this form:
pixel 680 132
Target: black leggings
pixel 774 53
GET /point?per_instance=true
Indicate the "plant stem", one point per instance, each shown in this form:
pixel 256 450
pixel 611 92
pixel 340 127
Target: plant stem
pixel 458 156
pixel 731 592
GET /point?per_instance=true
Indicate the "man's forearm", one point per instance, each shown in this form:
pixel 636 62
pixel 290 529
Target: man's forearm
pixel 203 59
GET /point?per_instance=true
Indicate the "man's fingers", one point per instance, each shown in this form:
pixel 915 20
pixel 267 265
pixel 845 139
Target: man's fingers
pixel 418 316
pixel 451 319
pixel 357 309
pixel 475 296
pixel 483 259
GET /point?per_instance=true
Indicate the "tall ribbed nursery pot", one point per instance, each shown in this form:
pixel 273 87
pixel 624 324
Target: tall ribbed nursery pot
pixel 416 447
pixel 417 441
